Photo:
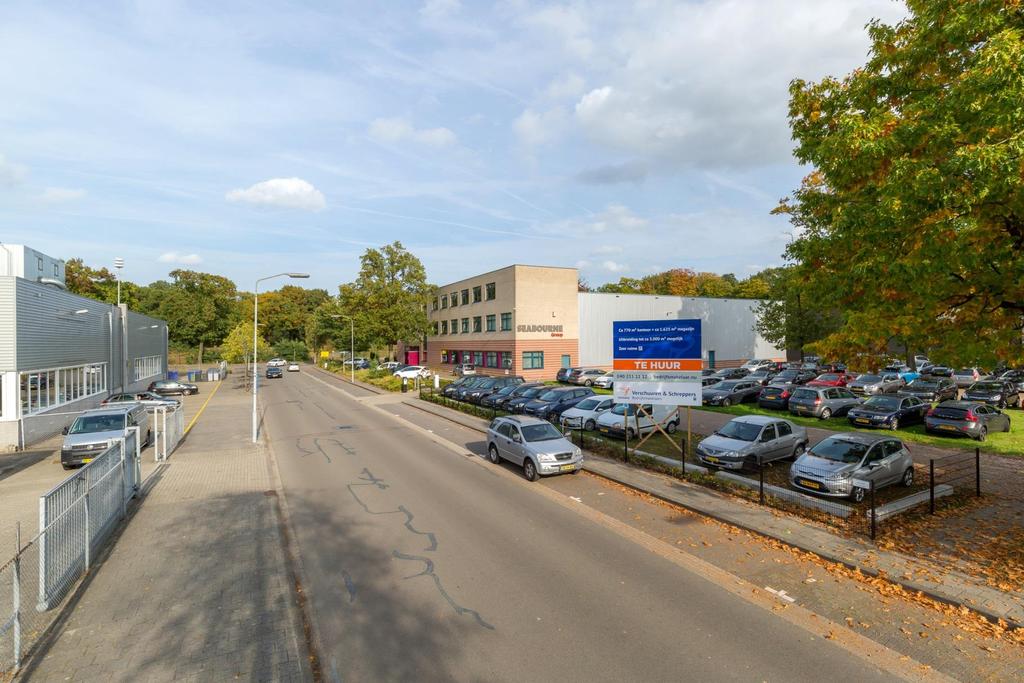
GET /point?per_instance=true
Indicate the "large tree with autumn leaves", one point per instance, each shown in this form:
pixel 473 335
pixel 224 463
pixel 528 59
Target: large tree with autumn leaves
pixel 912 219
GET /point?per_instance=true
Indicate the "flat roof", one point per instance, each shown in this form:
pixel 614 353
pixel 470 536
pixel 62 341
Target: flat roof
pixel 498 270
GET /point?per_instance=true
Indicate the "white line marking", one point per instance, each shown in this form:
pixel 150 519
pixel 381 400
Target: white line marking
pixel 781 594
pixel 578 500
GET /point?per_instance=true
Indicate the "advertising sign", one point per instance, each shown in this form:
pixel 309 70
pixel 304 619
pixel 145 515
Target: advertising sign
pixel 657 361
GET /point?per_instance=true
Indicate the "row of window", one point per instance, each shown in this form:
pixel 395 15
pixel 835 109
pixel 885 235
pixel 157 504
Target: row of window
pixel 46 389
pixel 480 293
pixel 532 360
pixel 443 327
pixel 149 366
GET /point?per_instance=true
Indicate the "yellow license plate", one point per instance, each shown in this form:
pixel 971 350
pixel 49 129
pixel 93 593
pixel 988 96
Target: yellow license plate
pixel 711 458
pixel 862 421
pixel 950 428
pixel 86 459
pixel 567 468
pixel 810 484
pixel 603 430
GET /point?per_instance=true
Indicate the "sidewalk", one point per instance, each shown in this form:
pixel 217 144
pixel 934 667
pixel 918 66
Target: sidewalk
pixel 953 587
pixel 196 587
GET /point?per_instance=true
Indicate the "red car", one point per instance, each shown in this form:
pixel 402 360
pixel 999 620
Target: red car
pixel 832 379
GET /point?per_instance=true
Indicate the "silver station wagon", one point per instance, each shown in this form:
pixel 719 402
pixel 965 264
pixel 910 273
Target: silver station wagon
pixel 534 444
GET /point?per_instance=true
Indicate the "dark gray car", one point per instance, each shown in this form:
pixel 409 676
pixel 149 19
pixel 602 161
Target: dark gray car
pixel 752 440
pixel 822 402
pixel 966 418
pixel 730 391
pixel 840 465
pixel 993 392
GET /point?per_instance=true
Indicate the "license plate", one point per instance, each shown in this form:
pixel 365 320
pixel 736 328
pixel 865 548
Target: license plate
pixel 86 459
pixel 711 458
pixel 862 421
pixel 949 428
pixel 603 430
pixel 567 468
pixel 810 484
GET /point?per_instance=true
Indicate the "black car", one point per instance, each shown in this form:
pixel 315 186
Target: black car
pixel 930 389
pixel 563 374
pixel 710 381
pixel 515 403
pixel 993 392
pixel 794 376
pixel 773 396
pixel 474 382
pixel 732 391
pixel 450 389
pixel 762 376
pixel 731 373
pixel 491 400
pixel 891 412
pixel 274 372
pixel 554 402
pixel 490 386
pixel 166 387
pixel 940 371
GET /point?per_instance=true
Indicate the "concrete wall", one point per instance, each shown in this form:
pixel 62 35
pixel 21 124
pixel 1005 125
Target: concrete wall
pixel 726 325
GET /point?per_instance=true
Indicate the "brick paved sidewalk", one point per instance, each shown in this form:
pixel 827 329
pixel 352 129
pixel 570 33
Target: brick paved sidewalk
pixel 954 587
pixel 196 588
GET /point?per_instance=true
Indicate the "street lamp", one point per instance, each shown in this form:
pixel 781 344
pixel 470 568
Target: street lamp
pixel 118 265
pixel 255 348
pixel 352 345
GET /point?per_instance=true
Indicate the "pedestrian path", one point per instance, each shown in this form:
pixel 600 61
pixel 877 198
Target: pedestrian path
pixel 196 587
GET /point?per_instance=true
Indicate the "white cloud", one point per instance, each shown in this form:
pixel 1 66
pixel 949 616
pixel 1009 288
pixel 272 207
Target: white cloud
pixel 396 129
pixel 58 195
pixel 289 193
pixel 535 129
pixel 569 26
pixel 439 9
pixel 179 258
pixel 618 218
pixel 614 267
pixel 11 174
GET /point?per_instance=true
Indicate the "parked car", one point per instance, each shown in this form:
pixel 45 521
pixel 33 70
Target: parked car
pixel 626 416
pixel 492 399
pixel 728 392
pixel 794 376
pixel 871 383
pixel 584 414
pixel 891 412
pixel 166 387
pixel 274 372
pixel 752 440
pixel 710 381
pixel 586 376
pixel 89 435
pixel 965 377
pixel 276 362
pixel 837 368
pixel 490 386
pixel 831 379
pixel 389 365
pixel 293 367
pixel 412 372
pixel 930 389
pixel 920 361
pixel 522 396
pixel 940 371
pixel 551 404
pixel 450 389
pixel 774 396
pixel 563 374
pixel 535 445
pixel 905 371
pixel 762 376
pixel 463 390
pixel 994 393
pixel 1015 378
pixel 464 369
pixel 731 373
pixel 966 418
pixel 145 398
pixel 822 402
pixel 831 466
pixel 605 381
pixel 755 364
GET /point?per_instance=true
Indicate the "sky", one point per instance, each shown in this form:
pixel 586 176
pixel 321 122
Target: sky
pixel 247 139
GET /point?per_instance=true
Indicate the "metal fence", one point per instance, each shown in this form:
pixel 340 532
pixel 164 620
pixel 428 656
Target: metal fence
pixel 168 430
pixel 76 518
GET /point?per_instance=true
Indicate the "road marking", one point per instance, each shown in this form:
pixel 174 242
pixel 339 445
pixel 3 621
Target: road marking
pixel 578 500
pixel 781 594
pixel 203 407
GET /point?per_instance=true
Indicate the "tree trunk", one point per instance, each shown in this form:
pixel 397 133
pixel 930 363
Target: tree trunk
pixel 200 362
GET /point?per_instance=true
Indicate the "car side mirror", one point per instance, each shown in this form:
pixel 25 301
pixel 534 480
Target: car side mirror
pixel 874 465
pixel 65 430
pixel 517 438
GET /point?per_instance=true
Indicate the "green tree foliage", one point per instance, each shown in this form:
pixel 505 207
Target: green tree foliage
pixel 686 282
pixel 237 346
pixel 791 315
pixel 913 217
pixel 99 284
pixel 199 308
pixel 284 312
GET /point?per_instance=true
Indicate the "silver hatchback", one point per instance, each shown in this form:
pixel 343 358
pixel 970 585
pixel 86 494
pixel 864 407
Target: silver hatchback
pixel 752 440
pixel 845 465
pixel 822 402
pixel 534 444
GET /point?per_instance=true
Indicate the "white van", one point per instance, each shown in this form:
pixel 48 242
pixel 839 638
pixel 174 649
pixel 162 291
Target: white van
pixel 611 421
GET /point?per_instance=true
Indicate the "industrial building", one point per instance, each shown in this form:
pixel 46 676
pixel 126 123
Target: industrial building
pixel 61 353
pixel 532 320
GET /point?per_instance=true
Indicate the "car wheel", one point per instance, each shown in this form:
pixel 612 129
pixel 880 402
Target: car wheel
pixel 983 434
pixel 798 451
pixel 726 402
pixel 630 434
pixel 826 414
pixel 1002 404
pixel 671 427
pixel 67 467
pixel 908 477
pixel 857 494
pixel 895 424
pixel 588 383
pixel 492 454
pixel 530 470
pixel 589 425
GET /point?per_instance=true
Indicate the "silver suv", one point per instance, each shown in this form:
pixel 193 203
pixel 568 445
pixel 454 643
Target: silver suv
pixel 752 440
pixel 534 444
pixel 92 431
pixel 844 464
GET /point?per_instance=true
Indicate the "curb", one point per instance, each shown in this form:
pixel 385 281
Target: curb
pixel 869 571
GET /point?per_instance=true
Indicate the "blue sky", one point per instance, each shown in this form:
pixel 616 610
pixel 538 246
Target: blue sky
pixel 249 138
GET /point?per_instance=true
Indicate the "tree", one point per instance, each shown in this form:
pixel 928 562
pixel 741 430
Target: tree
pixel 99 284
pixel 913 217
pixel 291 349
pixel 237 347
pixel 200 308
pixel 285 312
pixel 792 316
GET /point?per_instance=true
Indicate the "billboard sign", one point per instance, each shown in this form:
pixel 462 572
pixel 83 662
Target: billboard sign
pixel 657 361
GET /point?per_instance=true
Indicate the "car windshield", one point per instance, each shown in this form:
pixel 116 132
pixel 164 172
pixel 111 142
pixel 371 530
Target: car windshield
pixel 589 404
pixel 883 402
pixel 868 379
pixel 623 409
pixel 505 391
pixel 87 424
pixel 921 384
pixel 725 386
pixel 487 384
pixel 840 450
pixel 532 392
pixel 540 432
pixel 987 386
pixel 787 374
pixel 744 431
pixel 549 396
pixel 805 394
pixel 828 378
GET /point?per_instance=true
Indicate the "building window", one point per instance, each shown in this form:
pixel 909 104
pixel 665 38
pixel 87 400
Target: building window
pixel 455 326
pixel 435 327
pixel 149 366
pixel 491 320
pixel 477 323
pixel 56 270
pixel 39 262
pixel 492 359
pixel 478 358
pixel 506 322
pixel 444 357
pixel 45 389
pixel 444 301
pixel 444 327
pixel 478 294
pixel 490 291
pixel 506 360
pixel 434 305
pixel 533 360
pixel 465 297
pixel 455 299
pixel 465 326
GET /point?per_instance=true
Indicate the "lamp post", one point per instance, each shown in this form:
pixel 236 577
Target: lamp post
pixel 255 347
pixel 352 345
pixel 118 265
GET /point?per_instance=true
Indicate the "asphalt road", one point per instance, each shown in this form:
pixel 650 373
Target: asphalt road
pixel 424 564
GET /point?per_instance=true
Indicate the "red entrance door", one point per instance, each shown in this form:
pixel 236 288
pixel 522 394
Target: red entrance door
pixel 412 357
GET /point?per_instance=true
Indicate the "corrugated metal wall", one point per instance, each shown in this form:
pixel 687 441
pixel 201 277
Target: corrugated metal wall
pixel 8 338
pixel 50 334
pixel 727 324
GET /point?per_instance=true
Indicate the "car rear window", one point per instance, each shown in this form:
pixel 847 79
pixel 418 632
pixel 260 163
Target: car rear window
pixel 805 394
pixel 950 413
pixel 828 378
pixel 771 392
pixel 987 386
